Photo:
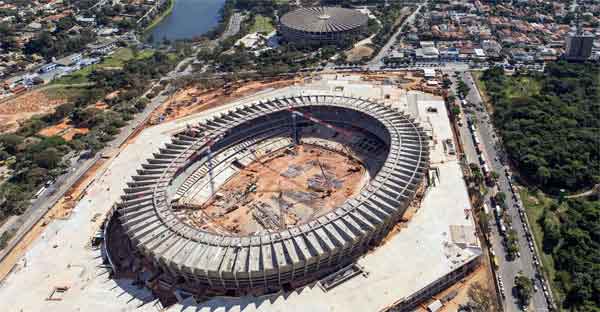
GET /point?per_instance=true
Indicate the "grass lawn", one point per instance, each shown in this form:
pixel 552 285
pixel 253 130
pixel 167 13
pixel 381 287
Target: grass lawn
pixel 535 203
pixel 517 86
pixel 120 56
pixel 115 60
pixel 262 24
pixel 64 92
pixel 80 76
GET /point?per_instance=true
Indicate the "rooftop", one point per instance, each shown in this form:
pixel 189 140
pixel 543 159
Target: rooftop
pixel 324 19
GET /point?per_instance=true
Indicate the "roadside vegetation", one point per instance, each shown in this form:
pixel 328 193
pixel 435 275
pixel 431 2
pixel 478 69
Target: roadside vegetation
pixel 391 17
pixel 99 111
pixel 550 126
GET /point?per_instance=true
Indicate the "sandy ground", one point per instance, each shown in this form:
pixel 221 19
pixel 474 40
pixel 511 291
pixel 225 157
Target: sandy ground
pixel 24 107
pixel 194 100
pixel 63 129
pixel 358 52
pixel 234 208
pixel 404 80
pixel 481 275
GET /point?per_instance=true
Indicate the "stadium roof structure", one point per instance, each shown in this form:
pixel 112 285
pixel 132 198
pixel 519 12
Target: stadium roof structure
pixel 324 19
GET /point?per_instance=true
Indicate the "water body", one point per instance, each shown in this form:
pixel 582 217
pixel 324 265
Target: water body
pixel 189 18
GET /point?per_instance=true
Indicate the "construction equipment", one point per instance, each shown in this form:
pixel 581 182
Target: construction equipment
pixel 328 184
pixel 282 213
pixel 347 134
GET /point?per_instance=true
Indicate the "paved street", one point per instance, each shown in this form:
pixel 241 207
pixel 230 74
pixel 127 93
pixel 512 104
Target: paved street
pixel 525 263
pixel 377 60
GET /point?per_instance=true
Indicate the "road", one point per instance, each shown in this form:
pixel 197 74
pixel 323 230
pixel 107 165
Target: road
pixel 77 169
pixel 508 269
pixel 377 60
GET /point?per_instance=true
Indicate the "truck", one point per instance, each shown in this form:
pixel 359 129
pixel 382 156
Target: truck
pixel 39 192
pixel 502 227
pixel 498 211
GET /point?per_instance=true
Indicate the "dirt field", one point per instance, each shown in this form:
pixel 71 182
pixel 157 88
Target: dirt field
pixel 304 186
pixel 357 53
pixel 24 107
pixel 404 80
pixel 194 100
pixel 63 129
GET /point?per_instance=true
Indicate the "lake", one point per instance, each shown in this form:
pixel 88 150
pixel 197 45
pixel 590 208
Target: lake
pixel 189 18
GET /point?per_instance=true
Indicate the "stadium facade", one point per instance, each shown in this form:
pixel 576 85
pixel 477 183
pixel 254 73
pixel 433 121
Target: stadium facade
pixel 390 144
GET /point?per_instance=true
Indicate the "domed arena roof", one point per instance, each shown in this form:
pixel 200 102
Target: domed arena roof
pixel 324 19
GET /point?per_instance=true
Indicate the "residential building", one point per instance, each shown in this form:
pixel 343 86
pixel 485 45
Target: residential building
pixel 579 47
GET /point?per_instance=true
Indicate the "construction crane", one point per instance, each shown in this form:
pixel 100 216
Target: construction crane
pixel 316 120
pixel 347 134
pixel 282 212
pixel 208 150
pixel 328 181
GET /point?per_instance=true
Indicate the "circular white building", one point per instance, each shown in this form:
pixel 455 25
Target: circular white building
pixel 322 24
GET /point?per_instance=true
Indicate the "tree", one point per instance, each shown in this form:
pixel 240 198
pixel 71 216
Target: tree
pixel 481 299
pixel 484 221
pixel 501 199
pixel 49 158
pixel 11 142
pixel 494 175
pixel 463 89
pixel 512 242
pixel 455 111
pixel 548 123
pixel 15 199
pixel 446 83
pixel 476 172
pixel 523 288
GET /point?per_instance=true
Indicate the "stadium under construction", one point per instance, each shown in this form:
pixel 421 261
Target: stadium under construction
pixel 339 173
pixel 335 194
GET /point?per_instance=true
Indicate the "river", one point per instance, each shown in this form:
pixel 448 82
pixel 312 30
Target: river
pixel 189 18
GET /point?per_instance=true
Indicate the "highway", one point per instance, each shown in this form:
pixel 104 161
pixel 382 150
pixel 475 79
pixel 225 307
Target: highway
pixel 491 148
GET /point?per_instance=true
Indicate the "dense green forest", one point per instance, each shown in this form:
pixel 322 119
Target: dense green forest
pixel 571 233
pixel 550 126
pixel 549 122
